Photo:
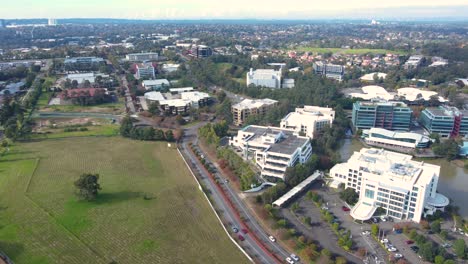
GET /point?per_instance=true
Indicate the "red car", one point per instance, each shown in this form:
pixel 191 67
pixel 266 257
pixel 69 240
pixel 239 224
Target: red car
pixel 241 238
pixel 244 231
pixel 346 209
pixel 409 242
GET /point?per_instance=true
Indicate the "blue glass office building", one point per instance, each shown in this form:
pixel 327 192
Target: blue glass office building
pixel 388 115
pixel 445 121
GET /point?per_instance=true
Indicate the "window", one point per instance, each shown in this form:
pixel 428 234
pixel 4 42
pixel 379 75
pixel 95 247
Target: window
pixel 369 194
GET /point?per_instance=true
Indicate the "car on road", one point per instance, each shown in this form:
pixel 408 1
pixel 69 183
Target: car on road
pixel 244 231
pixel 365 233
pixel 272 238
pixel 289 260
pixel 446 245
pixel 235 229
pixel 409 242
pixel 346 209
pixel 241 238
pixel 384 240
pixel 325 207
pixel 294 257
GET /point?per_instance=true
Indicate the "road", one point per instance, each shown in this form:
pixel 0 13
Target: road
pixel 256 243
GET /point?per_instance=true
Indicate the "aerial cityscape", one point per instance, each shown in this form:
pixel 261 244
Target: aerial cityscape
pixel 250 132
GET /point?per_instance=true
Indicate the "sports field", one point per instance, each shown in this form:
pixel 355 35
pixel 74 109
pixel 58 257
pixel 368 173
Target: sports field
pixel 348 51
pixel 41 221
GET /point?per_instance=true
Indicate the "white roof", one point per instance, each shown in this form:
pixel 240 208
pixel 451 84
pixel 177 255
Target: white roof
pixel 182 89
pixel 249 103
pixel 263 73
pixel 398 135
pixel 194 96
pixel 156 82
pixel 154 96
pixel 80 75
pixel 308 115
pixel 370 76
pixel 411 94
pixel 373 91
pixel 297 189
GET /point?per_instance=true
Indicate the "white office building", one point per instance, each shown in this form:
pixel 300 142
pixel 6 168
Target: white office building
pixel 413 62
pixel 82 77
pixel 179 103
pixel 156 85
pixel 264 77
pixel 309 120
pixel 273 149
pixel 145 71
pixel 401 140
pixel 405 188
pixel 142 56
pixel 169 67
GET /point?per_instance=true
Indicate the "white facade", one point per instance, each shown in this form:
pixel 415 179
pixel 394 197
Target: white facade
pixel 155 84
pixel 413 62
pixel 308 120
pixel 405 140
pixel 170 67
pixel 274 149
pixel 405 188
pixel 82 77
pixel 264 77
pixel 414 94
pixel 145 71
pixel 180 102
pixel 142 56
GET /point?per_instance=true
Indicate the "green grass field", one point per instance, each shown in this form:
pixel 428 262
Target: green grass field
pixel 348 51
pixel 41 220
pixel 97 130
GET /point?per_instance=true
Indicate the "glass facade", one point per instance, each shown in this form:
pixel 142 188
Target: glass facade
pixel 392 116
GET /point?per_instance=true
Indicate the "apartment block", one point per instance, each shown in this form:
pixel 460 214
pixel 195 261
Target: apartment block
pixel 248 107
pixel 309 120
pixel 445 120
pixel 383 114
pixel 405 188
pixel 328 70
pixel 273 149
pixel 413 62
pixel 264 77
pixel 145 71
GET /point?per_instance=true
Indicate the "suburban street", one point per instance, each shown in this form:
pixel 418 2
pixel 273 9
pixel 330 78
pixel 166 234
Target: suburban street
pixel 259 245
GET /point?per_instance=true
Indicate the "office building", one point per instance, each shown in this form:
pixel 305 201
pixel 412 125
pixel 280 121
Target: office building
pixel 309 120
pixel 264 77
pixel 328 70
pixel 445 120
pixel 241 111
pixel 170 67
pixel 405 188
pixel 413 62
pixel 145 71
pixel 52 22
pixel 148 56
pixel 398 140
pixel 179 103
pixel 82 77
pixel 273 149
pixel 201 51
pixel 156 85
pixel 383 114
pixel 83 63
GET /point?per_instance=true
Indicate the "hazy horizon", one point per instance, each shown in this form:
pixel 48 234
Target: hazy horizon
pixel 240 9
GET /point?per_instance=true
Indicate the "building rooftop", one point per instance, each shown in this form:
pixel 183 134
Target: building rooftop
pixel 373 92
pixel 446 111
pixel 414 94
pixel 286 141
pixel 156 82
pixel 249 103
pixel 263 73
pixel 370 76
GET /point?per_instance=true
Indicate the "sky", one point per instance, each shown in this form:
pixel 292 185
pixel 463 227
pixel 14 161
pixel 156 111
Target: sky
pixel 232 9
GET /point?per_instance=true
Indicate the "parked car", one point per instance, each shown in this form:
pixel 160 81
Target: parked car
pixel 384 240
pixel 415 249
pixel 241 238
pixel 446 245
pixel 235 229
pixel 409 242
pixel 289 260
pixel 365 233
pixel 272 238
pixel 392 249
pixel 293 256
pixel 398 256
pixel 324 207
pixel 375 220
pixel 244 231
pixel 383 218
pixel 346 209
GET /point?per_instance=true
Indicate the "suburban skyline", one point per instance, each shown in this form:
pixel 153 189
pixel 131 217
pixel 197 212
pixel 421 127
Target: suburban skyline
pixel 243 9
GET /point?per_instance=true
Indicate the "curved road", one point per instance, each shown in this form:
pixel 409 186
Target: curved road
pixel 258 244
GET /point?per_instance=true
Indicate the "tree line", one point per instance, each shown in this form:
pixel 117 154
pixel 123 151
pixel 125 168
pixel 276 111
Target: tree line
pixel 129 130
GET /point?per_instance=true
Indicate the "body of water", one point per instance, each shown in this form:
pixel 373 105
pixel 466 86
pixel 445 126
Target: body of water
pixel 453 180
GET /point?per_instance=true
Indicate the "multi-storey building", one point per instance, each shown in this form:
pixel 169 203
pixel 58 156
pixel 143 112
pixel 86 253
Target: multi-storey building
pixel 156 85
pixel 309 120
pixel 383 114
pixel 241 111
pixel 264 77
pixel 401 140
pixel 142 56
pixel 332 71
pixel 201 51
pixel 405 188
pixel 179 103
pixel 445 121
pixel 273 149
pixel 145 71
pixel 83 63
pixel 413 62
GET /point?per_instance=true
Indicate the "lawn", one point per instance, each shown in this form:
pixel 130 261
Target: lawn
pixel 41 220
pixel 348 51
pixel 93 130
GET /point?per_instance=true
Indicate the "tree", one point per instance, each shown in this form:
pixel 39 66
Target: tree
pixel 88 186
pixel 439 259
pixel 169 135
pixel 435 227
pixel 350 196
pixel 221 96
pixel 126 126
pixel 154 108
pixel 426 251
pixel 444 234
pixel 374 229
pixel 340 260
pixel 460 248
